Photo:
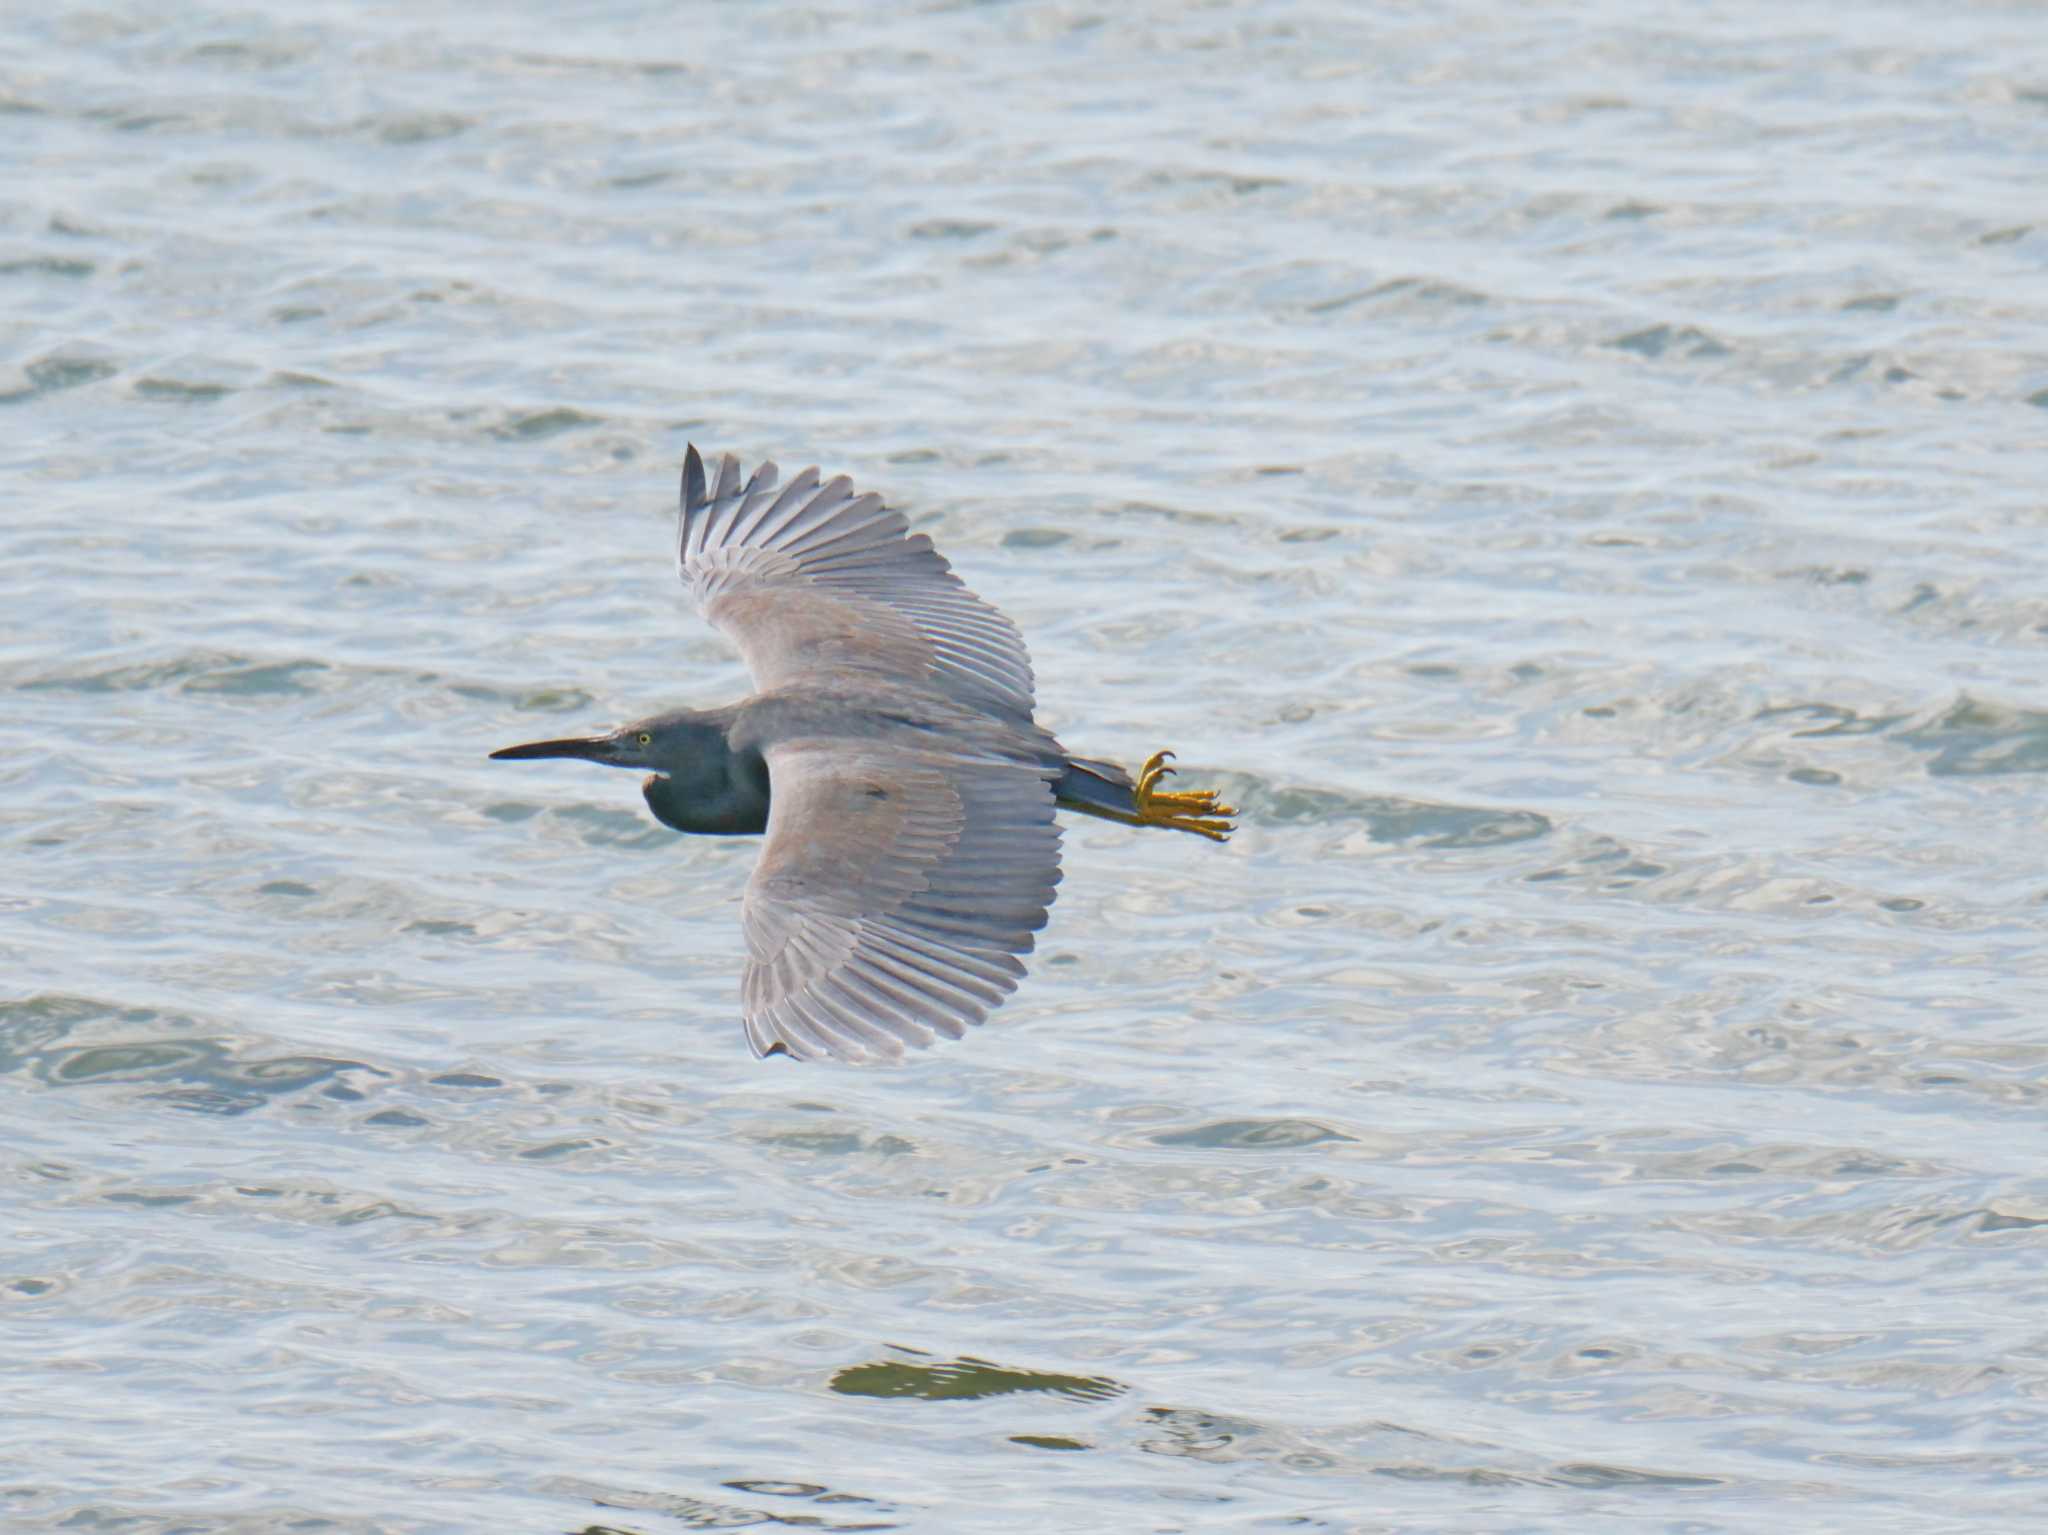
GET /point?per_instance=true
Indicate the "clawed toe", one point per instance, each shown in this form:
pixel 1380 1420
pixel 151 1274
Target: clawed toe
pixel 1195 810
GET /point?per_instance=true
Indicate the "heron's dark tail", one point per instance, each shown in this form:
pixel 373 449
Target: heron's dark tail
pixel 1090 786
pixel 1103 789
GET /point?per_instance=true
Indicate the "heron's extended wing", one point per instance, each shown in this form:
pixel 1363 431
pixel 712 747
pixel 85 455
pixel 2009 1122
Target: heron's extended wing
pixel 817 580
pixel 892 897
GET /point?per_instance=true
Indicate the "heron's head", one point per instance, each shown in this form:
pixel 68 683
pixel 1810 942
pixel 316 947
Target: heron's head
pixel 649 743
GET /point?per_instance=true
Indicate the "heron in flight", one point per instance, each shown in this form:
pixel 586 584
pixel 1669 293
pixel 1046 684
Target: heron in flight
pixel 891 758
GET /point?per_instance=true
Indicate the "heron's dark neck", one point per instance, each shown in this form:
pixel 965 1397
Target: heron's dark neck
pixel 714 790
pixel 729 815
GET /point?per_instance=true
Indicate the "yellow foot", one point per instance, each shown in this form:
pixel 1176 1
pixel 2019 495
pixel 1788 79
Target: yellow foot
pixel 1194 810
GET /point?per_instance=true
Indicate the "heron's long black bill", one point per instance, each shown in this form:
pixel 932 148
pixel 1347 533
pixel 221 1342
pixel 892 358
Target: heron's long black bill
pixel 588 748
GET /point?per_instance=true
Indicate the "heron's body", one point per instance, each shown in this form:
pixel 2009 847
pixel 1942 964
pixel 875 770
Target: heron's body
pixel 890 759
pixel 725 790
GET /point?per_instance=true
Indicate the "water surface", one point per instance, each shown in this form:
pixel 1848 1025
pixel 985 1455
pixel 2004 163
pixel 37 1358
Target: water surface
pixel 1575 478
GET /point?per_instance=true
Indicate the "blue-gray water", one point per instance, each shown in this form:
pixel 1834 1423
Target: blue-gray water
pixel 1575 475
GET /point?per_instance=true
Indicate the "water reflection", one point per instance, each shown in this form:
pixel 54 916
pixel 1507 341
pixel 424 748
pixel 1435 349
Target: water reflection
pixel 194 1073
pixel 965 1379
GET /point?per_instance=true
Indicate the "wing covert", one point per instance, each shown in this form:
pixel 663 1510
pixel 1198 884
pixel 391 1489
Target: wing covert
pixel 893 896
pixel 816 581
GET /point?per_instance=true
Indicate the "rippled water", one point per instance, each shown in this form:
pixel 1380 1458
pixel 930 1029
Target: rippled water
pixel 1576 478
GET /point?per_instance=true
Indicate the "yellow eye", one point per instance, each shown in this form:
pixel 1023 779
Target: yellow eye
pixel 646 739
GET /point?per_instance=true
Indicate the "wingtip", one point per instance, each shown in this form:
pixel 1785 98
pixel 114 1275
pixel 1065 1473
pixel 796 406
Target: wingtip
pixel 693 478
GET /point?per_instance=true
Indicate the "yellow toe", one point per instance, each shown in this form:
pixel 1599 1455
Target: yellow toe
pixel 1195 810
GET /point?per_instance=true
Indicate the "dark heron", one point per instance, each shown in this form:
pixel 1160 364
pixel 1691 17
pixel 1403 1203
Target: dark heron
pixel 891 758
